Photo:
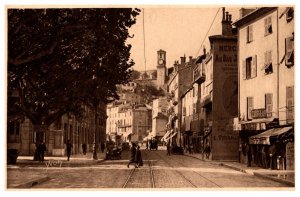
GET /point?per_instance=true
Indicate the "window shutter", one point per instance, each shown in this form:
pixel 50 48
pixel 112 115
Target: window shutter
pixel 290 104
pixel 289 51
pixel 269 104
pixel 244 69
pixel 254 66
pixel 250 33
pixel 249 107
pixel 270 57
pixel 266 24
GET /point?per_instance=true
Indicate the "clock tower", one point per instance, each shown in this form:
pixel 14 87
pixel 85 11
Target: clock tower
pixel 161 68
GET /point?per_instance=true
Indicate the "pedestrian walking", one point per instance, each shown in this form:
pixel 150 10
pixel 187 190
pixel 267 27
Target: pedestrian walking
pixel 147 143
pixel 69 149
pixel 168 148
pixel 132 156
pixel 84 148
pixel 41 149
pixel 138 157
pixel 207 151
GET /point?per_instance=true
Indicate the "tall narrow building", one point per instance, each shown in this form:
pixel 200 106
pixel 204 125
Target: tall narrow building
pixel 161 68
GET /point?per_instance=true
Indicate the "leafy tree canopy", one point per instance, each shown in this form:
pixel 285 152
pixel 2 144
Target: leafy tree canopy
pixel 59 58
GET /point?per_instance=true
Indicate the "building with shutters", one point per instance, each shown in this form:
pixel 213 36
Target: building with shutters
pixel 266 84
pixel 128 123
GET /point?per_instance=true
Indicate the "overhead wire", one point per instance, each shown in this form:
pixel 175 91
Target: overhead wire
pixel 145 61
pixel 207 33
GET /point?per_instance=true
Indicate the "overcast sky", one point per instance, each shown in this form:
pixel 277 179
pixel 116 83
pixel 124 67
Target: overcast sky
pixel 177 30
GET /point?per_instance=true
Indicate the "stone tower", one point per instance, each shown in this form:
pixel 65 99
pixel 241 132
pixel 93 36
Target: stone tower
pixel 161 68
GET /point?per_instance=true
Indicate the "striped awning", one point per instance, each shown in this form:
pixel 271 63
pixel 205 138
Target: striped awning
pixel 264 137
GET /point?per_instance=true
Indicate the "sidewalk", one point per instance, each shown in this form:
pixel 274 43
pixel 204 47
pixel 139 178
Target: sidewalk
pixel 19 178
pixel 60 161
pixel 282 176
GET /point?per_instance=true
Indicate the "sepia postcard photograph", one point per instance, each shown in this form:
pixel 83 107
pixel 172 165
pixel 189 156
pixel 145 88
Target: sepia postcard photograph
pixel 149 97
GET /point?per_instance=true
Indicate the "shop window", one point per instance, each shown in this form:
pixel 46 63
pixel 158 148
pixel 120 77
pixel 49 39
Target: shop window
pixel 269 104
pixel 289 51
pixel 250 67
pixel 249 33
pixel 13 132
pixel 268 67
pixel 290 104
pixel 268 26
pixel 249 107
pixel 289 14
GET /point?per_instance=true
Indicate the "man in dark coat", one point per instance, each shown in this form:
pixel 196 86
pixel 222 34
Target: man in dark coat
pixel 69 149
pixel 84 148
pixel 207 151
pixel 133 152
pixel 138 157
pixel 102 147
pixel 168 148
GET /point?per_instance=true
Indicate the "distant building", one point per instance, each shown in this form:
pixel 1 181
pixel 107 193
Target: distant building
pixel 126 123
pixel 159 117
pixel 178 82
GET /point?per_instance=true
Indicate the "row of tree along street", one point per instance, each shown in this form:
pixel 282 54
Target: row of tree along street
pixel 60 60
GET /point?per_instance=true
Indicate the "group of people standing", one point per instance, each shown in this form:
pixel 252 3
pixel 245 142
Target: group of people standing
pixel 136 156
pixel 262 155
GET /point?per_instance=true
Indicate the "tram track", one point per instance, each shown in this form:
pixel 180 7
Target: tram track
pixel 130 179
pixel 183 176
pixel 178 172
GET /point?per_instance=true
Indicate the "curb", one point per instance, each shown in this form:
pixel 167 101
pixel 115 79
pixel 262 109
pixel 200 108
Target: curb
pixel 32 183
pixel 63 164
pixel 195 157
pixel 234 168
pixel 289 183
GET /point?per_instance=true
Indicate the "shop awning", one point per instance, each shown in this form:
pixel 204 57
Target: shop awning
pixel 168 135
pixel 264 138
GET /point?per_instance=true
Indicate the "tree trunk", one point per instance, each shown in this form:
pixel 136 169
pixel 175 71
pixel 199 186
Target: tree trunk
pixel 40 132
pixel 96 135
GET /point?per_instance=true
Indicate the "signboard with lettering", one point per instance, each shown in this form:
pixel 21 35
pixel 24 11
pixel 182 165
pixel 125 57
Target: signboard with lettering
pixel 259 113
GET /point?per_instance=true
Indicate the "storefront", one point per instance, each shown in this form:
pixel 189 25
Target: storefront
pixel 263 143
pixel 197 135
pixel 273 145
pixel 248 154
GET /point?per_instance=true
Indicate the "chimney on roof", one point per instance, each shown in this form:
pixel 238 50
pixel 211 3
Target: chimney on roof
pixel 190 59
pixel 182 60
pixel 204 50
pixel 176 65
pixel 226 23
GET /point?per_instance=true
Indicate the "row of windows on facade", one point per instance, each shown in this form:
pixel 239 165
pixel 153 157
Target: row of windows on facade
pixel 13 132
pixel 250 64
pixel 268 24
pixel 289 109
pixel 119 115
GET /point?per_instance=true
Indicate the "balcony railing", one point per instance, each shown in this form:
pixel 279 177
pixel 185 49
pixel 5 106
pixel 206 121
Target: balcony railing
pixel 199 74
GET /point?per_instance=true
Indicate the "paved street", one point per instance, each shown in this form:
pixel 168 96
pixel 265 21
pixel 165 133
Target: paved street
pixel 159 171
